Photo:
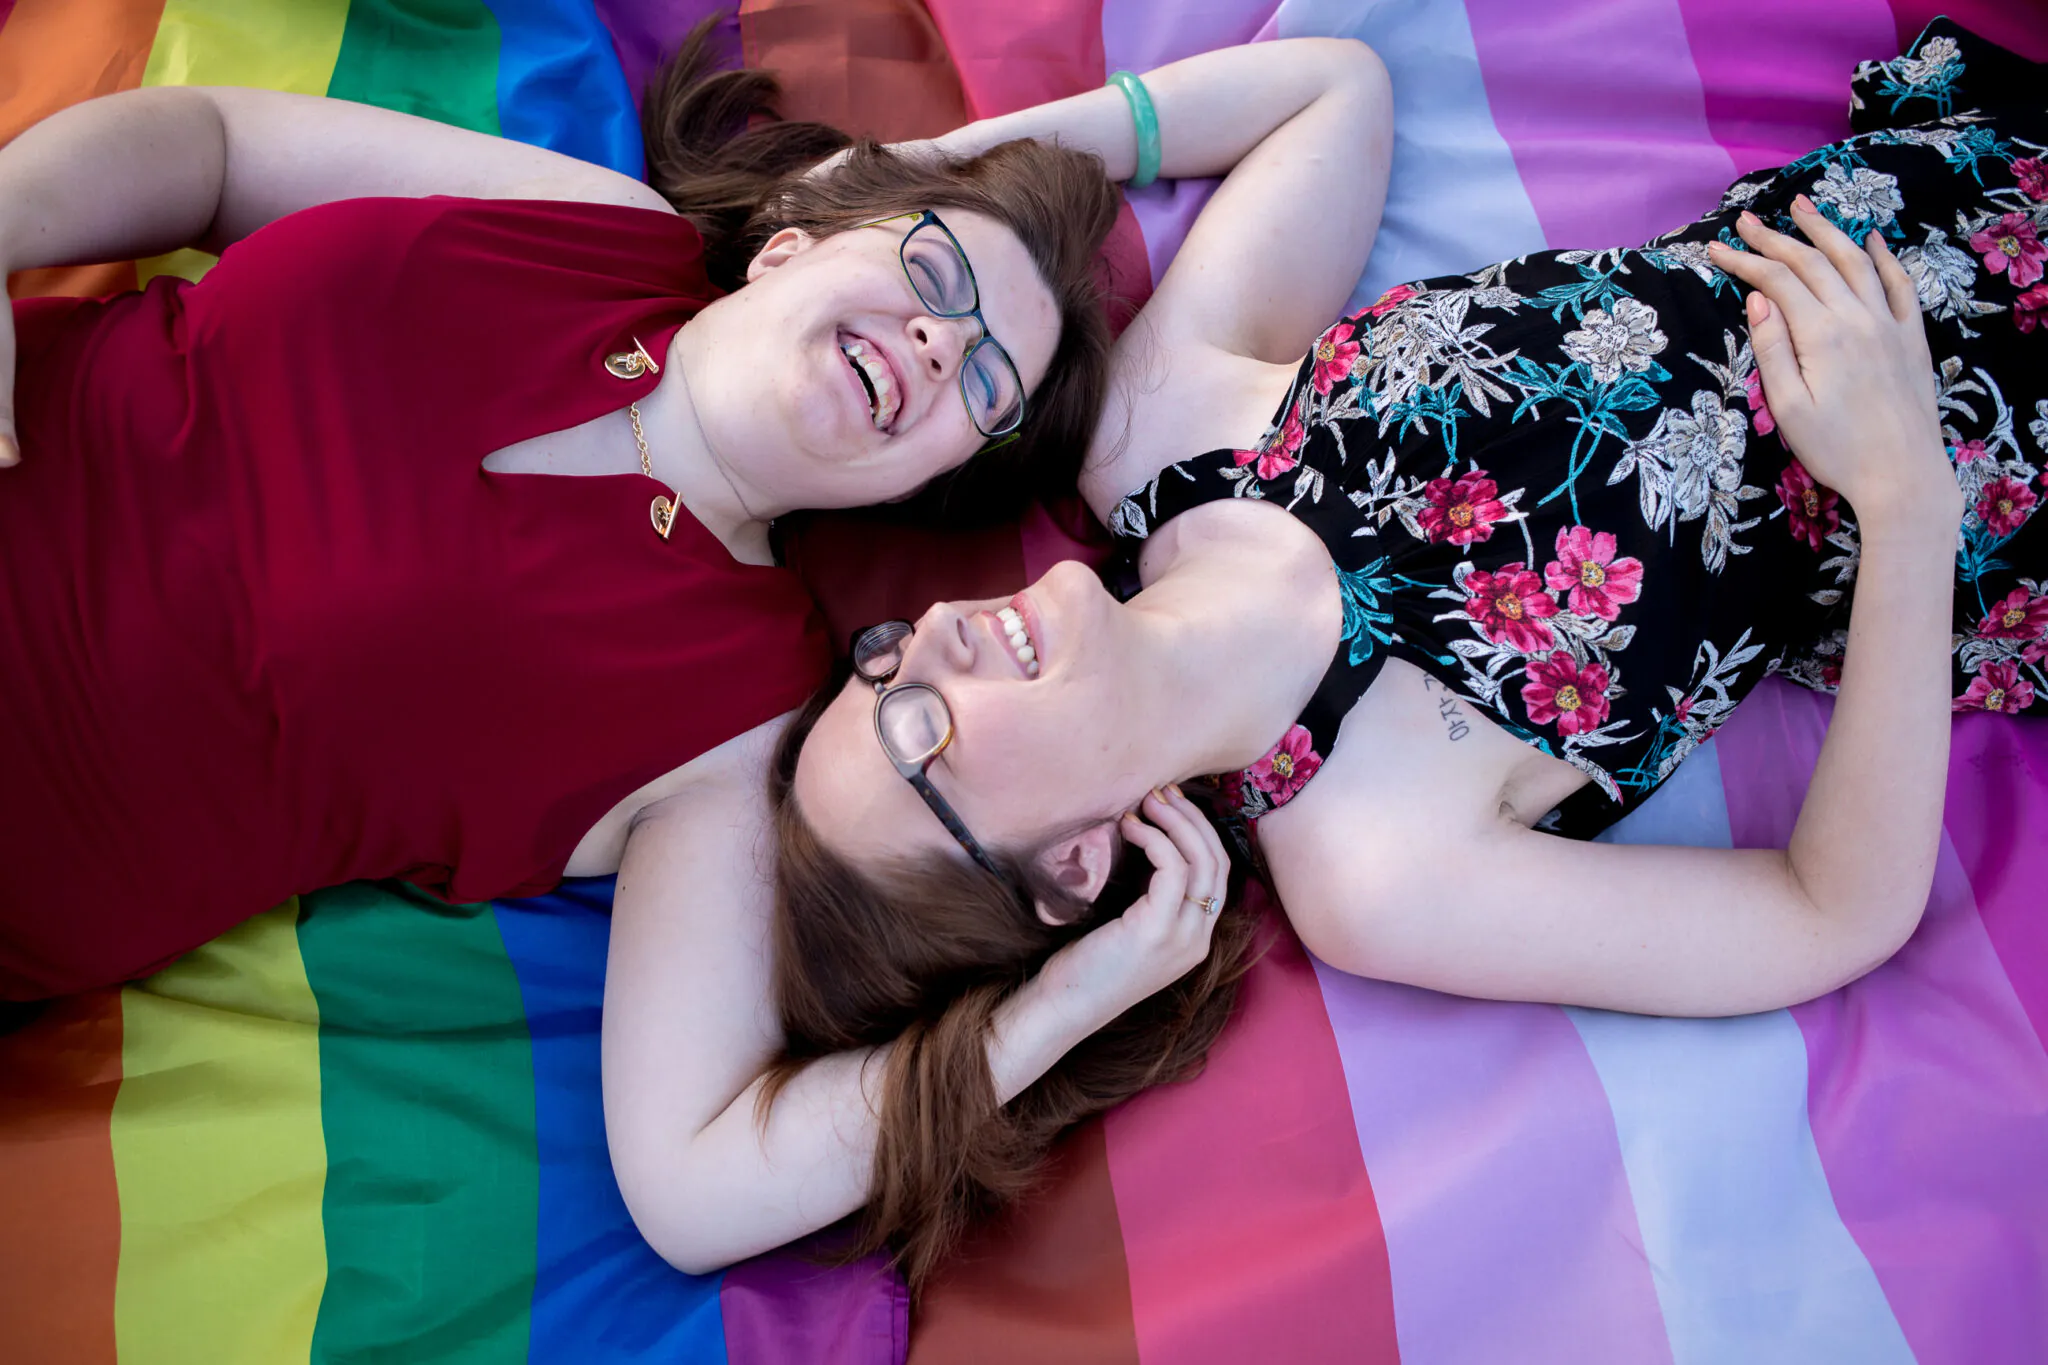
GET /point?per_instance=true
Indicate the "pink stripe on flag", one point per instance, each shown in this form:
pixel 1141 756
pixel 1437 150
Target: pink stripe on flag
pixel 1249 1223
pixel 1927 1087
pixel 1511 1230
pixel 1602 108
pixel 1998 818
pixel 1777 80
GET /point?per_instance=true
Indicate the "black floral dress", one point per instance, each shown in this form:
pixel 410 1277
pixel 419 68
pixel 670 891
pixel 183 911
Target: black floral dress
pixel 1555 485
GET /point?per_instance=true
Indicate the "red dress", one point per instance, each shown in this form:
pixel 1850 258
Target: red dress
pixel 266 623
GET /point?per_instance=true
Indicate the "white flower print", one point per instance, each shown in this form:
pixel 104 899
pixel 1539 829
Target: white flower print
pixel 1691 256
pixel 1942 274
pixel 1426 343
pixel 1610 343
pixel 1742 194
pixel 1690 466
pixel 1860 195
pixel 1929 62
pixel 2039 426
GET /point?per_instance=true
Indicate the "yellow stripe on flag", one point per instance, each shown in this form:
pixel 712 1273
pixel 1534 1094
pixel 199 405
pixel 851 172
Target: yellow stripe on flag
pixel 219 1155
pixel 241 42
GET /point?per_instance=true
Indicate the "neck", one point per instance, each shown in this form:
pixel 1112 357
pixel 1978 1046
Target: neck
pixel 1233 637
pixel 704 480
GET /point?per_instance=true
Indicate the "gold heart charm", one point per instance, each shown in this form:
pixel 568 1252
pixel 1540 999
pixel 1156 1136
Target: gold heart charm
pixel 631 364
pixel 663 514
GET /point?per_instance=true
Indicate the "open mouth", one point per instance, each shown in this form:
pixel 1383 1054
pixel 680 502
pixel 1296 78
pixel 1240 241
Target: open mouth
pixel 1020 639
pixel 885 398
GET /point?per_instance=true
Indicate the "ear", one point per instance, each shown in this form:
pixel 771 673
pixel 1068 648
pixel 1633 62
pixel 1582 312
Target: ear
pixel 1080 863
pixel 784 247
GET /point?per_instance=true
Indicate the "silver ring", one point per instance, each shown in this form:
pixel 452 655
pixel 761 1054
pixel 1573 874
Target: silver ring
pixel 1209 904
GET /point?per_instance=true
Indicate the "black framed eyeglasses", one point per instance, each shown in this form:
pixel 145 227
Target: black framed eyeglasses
pixel 914 725
pixel 944 283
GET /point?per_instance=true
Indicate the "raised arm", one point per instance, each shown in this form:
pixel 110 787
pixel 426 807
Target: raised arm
pixel 1694 931
pixel 197 166
pixel 1301 131
pixel 690 1027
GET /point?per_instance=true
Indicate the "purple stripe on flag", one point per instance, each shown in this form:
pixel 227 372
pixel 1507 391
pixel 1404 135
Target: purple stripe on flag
pixel 1998 818
pixel 1776 90
pixel 1927 1087
pixel 1603 110
pixel 783 1309
pixel 1511 1231
pixel 644 34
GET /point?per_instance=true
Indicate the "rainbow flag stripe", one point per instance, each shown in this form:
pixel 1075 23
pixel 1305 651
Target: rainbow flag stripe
pixel 367 1125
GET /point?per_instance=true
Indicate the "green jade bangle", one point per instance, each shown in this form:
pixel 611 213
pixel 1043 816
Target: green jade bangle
pixel 1146 120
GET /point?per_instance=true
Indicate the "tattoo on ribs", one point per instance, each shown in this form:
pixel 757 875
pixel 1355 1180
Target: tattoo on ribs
pixel 1447 709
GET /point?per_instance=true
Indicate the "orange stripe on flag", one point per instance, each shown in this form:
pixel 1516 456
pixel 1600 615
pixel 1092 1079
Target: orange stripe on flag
pixel 54 53
pixel 60 1215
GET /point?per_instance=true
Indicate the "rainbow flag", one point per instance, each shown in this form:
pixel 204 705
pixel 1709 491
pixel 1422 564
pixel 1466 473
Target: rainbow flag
pixel 367 1125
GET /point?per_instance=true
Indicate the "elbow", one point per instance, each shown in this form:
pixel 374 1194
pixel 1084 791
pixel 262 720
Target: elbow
pixel 681 1225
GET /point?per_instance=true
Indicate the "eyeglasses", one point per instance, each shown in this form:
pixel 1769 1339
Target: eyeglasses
pixel 944 283
pixel 914 724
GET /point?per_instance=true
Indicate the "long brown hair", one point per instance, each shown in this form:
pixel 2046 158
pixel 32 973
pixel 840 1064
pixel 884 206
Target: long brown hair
pixel 718 152
pixel 920 955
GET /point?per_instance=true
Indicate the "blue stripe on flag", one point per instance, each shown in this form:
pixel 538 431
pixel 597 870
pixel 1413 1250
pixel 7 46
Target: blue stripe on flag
pixel 560 85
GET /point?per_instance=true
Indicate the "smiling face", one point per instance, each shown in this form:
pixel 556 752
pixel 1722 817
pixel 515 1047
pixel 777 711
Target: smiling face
pixel 1041 740
pixel 827 382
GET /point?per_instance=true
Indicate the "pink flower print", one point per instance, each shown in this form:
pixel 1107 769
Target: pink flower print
pixel 1287 766
pixel 2012 248
pixel 1683 711
pixel 1282 455
pixel 1997 687
pixel 2020 616
pixel 2030 310
pixel 1811 509
pixel 1969 451
pixel 1600 584
pixel 1393 299
pixel 2032 174
pixel 1510 607
pixel 1461 511
pixel 1559 690
pixel 1335 352
pixel 2034 652
pixel 1759 406
pixel 2004 504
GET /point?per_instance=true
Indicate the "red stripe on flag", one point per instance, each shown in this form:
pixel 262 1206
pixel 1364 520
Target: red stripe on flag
pixel 1046 1284
pixel 60 1211
pixel 1249 1222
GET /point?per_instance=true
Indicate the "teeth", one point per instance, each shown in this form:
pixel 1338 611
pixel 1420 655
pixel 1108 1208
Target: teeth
pixel 1020 639
pixel 883 407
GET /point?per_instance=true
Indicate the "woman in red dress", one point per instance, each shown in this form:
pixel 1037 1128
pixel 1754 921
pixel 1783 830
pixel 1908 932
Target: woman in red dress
pixel 428 537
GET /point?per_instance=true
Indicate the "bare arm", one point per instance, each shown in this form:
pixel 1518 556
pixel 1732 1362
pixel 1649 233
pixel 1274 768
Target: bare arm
pixel 689 1027
pixel 1302 132
pixel 198 166
pixel 1689 931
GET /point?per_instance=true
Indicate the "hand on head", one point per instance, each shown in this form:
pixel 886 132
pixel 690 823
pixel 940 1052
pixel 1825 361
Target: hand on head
pixel 1844 362
pixel 1163 935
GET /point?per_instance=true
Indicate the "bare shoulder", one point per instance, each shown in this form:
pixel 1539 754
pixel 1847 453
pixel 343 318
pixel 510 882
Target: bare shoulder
pixel 1169 401
pixel 721 785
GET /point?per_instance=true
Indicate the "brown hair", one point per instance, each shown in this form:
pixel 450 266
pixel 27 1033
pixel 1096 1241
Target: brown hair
pixel 718 152
pixel 920 955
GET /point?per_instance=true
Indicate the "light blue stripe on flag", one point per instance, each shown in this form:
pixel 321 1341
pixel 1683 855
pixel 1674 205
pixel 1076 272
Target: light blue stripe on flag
pixel 1456 200
pixel 1749 1255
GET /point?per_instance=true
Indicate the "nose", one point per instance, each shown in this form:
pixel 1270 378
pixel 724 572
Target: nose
pixel 940 345
pixel 939 645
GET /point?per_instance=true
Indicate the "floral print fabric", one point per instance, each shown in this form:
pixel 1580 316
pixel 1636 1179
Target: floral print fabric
pixel 1555 484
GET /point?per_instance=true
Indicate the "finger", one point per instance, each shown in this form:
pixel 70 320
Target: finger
pixel 1169 870
pixel 1776 362
pixel 1215 857
pixel 1773 279
pixel 1899 290
pixel 1186 827
pixel 1850 262
pixel 10 445
pixel 1814 270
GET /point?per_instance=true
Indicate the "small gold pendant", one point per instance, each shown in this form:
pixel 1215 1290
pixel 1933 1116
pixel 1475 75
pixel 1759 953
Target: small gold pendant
pixel 663 514
pixel 631 364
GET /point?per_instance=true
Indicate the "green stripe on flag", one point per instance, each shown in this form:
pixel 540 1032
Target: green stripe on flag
pixel 427 1099
pixel 436 58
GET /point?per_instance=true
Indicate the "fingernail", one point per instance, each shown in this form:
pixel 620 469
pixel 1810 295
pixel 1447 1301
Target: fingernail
pixel 1759 307
pixel 1174 787
pixel 1750 219
pixel 10 453
pixel 1716 246
pixel 1800 201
